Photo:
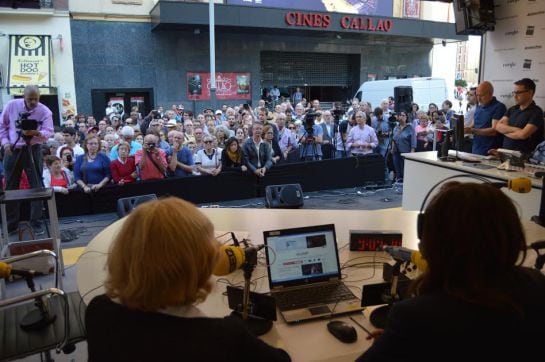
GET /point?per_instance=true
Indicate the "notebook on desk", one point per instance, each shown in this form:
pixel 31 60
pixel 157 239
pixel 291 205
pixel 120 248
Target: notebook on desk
pixel 305 275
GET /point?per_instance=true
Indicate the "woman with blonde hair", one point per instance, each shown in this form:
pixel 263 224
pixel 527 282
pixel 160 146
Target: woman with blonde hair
pixel 156 276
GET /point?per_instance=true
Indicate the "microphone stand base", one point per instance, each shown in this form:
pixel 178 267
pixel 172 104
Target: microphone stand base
pixel 379 316
pixel 256 325
pixel 36 320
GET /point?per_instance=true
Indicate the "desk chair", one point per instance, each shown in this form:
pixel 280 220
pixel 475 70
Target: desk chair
pixel 67 329
pixel 64 309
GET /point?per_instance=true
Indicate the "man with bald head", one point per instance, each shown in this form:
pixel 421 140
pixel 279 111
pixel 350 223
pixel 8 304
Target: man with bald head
pixel 18 144
pixel 487 113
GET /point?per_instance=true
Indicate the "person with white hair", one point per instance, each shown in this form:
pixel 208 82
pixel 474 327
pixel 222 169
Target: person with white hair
pixel 127 133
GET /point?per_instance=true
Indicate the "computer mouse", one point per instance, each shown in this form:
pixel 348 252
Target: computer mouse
pixel 344 332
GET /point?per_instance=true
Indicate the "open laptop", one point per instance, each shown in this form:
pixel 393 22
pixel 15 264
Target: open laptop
pixel 305 275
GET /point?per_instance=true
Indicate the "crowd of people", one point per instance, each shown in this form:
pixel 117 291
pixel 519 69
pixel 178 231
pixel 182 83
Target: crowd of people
pixel 125 148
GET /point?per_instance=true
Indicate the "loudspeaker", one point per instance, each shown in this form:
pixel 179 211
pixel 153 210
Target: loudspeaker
pixel 403 97
pixel 289 196
pixel 127 204
pixel 474 17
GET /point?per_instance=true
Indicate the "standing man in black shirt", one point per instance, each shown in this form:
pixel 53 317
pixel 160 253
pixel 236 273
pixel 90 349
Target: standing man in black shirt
pixel 522 125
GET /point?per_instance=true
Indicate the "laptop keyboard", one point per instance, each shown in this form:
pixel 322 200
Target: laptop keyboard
pixel 304 297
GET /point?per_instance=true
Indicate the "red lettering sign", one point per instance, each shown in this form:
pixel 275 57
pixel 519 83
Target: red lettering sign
pixel 315 20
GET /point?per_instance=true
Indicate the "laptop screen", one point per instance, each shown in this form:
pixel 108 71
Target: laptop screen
pixel 301 255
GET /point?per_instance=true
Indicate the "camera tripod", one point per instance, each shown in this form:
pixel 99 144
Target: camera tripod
pixel 33 172
pixel 309 144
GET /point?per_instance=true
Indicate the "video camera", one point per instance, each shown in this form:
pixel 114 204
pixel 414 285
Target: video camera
pixel 26 124
pixel 392 121
pixel 337 112
pixel 308 122
pixel 337 115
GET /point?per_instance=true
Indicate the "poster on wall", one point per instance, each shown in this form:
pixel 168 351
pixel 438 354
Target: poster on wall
pixel 362 7
pixel 119 104
pixel 29 61
pixel 411 9
pixel 516 49
pixel 228 86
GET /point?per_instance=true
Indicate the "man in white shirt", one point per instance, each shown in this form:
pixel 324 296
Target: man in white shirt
pixel 69 135
pixel 361 139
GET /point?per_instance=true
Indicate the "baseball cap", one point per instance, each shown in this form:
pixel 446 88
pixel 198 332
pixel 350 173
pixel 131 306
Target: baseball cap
pixel 171 123
pixel 92 128
pixel 219 111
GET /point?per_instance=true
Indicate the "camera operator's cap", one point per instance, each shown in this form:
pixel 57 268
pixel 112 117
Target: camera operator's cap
pixel 171 123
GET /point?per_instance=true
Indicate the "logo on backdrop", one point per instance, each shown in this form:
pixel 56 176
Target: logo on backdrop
pixel 507 17
pixel 530 30
pixel 536 13
pixel 503 49
pixel 509 65
pixel 502 80
pixel 527 65
pixel 512 32
pixel 533 47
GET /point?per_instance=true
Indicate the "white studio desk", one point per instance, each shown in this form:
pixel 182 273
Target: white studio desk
pixel 309 341
pixel 424 169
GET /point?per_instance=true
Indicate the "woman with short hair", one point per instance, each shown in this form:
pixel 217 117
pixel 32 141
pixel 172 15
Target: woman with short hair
pixel 156 278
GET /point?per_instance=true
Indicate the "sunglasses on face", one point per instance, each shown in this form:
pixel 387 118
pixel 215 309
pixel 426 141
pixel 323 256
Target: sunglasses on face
pixel 207 141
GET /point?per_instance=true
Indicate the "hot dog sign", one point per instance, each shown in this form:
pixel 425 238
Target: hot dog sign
pixel 29 61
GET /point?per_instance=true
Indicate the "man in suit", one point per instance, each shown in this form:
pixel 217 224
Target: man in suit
pixel 258 152
pixel 328 149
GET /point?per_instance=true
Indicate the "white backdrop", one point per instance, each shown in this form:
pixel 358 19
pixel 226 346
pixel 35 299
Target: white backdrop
pixel 516 48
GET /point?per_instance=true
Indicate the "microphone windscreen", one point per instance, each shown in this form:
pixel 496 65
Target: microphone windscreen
pixel 521 185
pixel 5 270
pixel 230 259
pixel 419 261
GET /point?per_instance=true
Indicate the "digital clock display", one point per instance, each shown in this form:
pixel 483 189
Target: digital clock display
pixel 373 240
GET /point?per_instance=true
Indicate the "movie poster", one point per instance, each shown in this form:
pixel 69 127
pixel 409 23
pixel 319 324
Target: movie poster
pixel 228 86
pixel 411 9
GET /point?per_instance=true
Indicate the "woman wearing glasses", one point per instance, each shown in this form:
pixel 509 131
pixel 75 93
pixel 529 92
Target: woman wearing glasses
pixel 404 141
pixel 208 160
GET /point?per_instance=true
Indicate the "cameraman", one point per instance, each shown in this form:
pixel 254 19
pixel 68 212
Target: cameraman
pixel 151 160
pixel 310 137
pixel 17 154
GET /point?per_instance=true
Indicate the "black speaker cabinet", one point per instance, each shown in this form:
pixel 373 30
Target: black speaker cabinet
pixel 289 196
pixel 403 97
pixel 127 204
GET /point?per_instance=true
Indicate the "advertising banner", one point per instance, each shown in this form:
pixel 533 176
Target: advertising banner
pixel 29 61
pixel 411 9
pixel 228 86
pixel 362 7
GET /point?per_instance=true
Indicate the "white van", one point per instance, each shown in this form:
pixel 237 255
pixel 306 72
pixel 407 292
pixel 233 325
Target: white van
pixel 425 91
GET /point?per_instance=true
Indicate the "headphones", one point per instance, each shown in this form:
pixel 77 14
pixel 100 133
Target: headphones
pixel 421 216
